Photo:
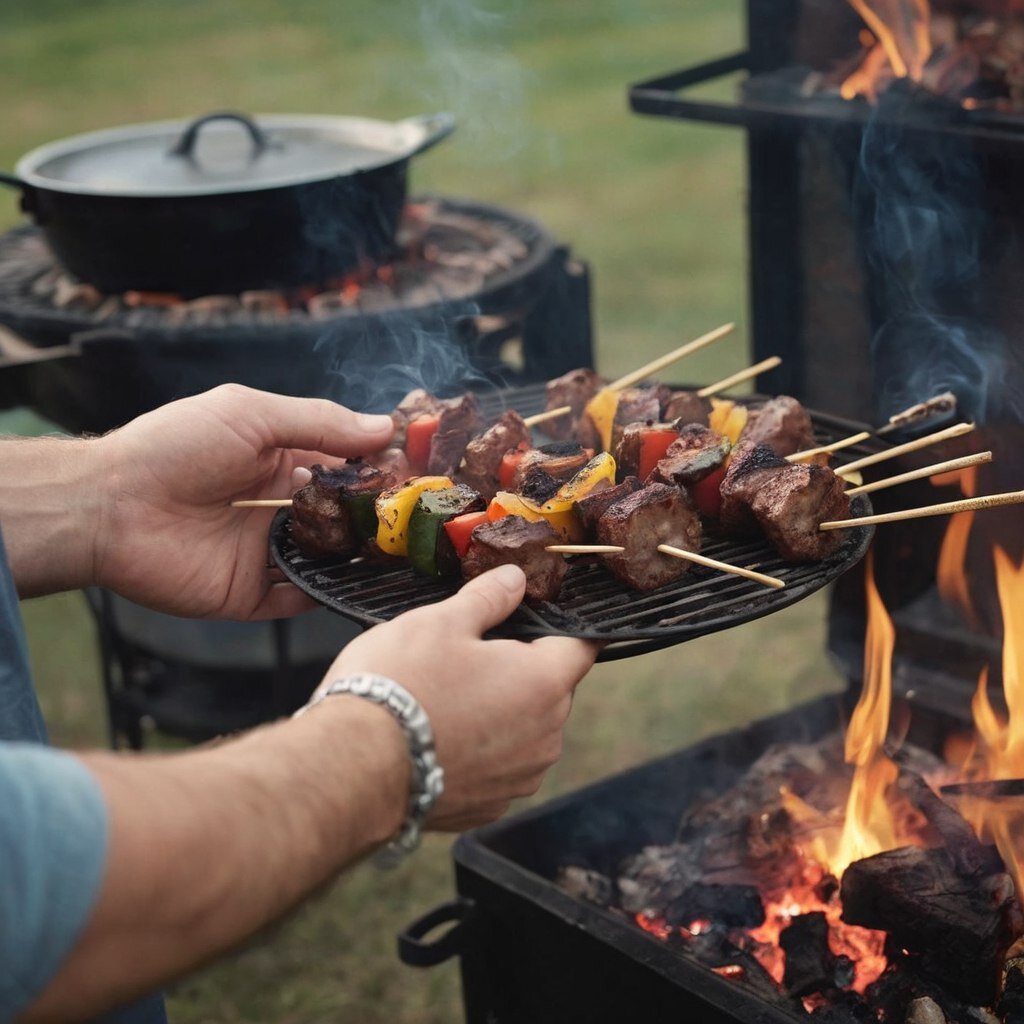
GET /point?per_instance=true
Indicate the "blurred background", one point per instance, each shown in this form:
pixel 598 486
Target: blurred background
pixel 656 209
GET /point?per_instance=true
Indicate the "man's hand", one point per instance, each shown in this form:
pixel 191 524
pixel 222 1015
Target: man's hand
pixel 167 536
pixel 497 707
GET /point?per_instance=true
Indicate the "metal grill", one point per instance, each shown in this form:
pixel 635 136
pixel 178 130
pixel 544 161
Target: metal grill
pixel 592 604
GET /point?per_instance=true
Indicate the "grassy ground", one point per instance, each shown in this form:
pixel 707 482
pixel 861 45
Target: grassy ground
pixel 656 208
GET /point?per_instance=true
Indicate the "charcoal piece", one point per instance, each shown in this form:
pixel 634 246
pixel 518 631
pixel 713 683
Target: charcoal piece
pixel 844 1008
pixel 1011 1002
pixel 924 1010
pixel 734 906
pixel 810 964
pixel 956 928
pixel 657 876
pixel 586 884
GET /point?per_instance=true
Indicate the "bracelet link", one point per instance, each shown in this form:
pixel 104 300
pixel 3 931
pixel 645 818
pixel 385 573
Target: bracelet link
pixel 427 782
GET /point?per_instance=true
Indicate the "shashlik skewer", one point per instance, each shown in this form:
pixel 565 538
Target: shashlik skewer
pixel 941 509
pixel 951 466
pixel 957 430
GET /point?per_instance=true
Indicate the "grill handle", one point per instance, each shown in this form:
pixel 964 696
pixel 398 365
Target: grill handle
pixel 415 951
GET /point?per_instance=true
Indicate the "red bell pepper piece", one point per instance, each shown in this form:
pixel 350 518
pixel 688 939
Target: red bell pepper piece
pixel 653 445
pixel 707 493
pixel 418 435
pixel 460 529
pixel 509 464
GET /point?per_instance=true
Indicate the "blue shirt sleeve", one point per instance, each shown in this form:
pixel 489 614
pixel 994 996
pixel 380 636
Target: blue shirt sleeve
pixel 53 838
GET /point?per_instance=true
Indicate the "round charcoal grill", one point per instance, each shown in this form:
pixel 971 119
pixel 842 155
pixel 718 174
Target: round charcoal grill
pixel 592 604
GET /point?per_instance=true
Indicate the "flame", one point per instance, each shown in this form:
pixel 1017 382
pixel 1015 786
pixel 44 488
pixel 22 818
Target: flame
pixel 869 826
pixel 902 30
pixel 951 572
pixel 1001 740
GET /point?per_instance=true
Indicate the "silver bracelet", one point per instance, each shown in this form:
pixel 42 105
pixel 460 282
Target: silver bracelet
pixel 427 783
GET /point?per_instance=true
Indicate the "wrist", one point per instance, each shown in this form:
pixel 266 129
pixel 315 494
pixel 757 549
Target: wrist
pixel 426 777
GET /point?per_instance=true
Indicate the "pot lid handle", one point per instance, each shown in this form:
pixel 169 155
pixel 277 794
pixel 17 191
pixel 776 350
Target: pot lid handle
pixel 187 143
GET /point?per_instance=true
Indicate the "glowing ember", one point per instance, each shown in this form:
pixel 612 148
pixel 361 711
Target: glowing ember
pixel 657 926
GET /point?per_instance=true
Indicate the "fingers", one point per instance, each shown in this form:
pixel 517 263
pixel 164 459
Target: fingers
pixel 315 424
pixel 568 657
pixel 486 600
pixel 282 601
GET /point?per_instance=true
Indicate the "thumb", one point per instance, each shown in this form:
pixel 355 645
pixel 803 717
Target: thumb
pixel 489 598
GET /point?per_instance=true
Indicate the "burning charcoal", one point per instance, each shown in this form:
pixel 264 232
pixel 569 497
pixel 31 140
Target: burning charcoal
pixel 734 906
pixel 925 1011
pixel 1011 1002
pixel 657 876
pixel 844 1008
pixel 954 927
pixel 810 964
pixel 586 884
pixel 267 301
pixel 845 971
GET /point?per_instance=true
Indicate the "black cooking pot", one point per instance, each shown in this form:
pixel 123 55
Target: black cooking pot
pixel 224 203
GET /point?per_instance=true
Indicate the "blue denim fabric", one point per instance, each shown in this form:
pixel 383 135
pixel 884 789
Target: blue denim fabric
pixel 53 837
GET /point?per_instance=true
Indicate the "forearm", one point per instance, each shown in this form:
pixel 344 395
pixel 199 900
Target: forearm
pixel 209 846
pixel 50 508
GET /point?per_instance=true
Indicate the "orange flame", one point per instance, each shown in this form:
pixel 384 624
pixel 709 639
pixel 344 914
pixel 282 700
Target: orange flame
pixel 869 826
pixel 951 572
pixel 1001 740
pixel 903 31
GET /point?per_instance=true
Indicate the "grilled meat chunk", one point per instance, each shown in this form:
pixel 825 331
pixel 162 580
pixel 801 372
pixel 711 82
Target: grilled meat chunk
pixel 792 502
pixel 590 508
pixel 687 407
pixel 630 447
pixel 696 453
pixel 514 539
pixel 333 514
pixel 483 455
pixel 657 514
pixel 460 419
pixel 575 389
pixel 561 460
pixel 415 404
pixel 751 465
pixel 781 423
pixel 638 405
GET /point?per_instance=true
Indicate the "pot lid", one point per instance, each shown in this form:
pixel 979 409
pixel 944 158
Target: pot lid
pixel 225 152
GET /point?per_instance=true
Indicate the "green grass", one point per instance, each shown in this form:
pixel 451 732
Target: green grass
pixel 655 207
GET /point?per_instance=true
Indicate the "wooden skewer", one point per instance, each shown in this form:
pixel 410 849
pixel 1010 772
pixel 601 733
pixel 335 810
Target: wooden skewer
pixel 957 430
pixel 917 474
pixel 713 563
pixel 835 446
pixel 263 503
pixel 669 358
pixel 946 508
pixel 738 378
pixel 586 549
pixel 550 414
pixel 940 403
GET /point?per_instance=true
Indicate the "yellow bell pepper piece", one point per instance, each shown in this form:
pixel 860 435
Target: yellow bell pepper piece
pixel 507 503
pixel 728 418
pixel 394 509
pixel 558 510
pixel 601 410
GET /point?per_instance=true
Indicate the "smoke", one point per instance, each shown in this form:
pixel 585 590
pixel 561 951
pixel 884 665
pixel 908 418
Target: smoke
pixel 472 73
pixel 375 361
pixel 921 198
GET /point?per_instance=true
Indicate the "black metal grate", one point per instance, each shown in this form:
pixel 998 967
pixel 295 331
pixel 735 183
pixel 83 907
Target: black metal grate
pixel 592 604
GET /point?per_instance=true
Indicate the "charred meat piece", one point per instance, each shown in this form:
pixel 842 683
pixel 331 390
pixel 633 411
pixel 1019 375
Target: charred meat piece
pixel 514 539
pixel 392 462
pixel 696 453
pixel 415 404
pixel 575 389
pixel 561 460
pixel 637 452
pixel 333 514
pixel 750 467
pixel 792 502
pixel 657 514
pixel 781 423
pixel 687 407
pixel 590 508
pixel 638 405
pixel 460 419
pixel 538 486
pixel 483 455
